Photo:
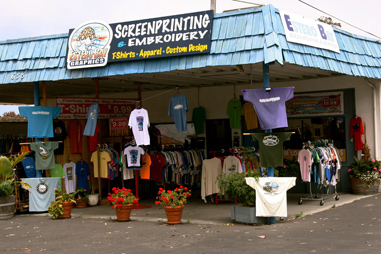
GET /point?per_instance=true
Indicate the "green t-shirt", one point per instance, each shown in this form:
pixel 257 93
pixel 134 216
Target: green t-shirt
pixel 198 118
pixel 271 147
pixel 57 171
pixel 44 154
pixel 234 113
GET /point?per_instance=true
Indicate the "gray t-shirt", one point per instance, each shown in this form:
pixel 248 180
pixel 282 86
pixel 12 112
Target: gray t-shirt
pixel 44 154
pixel 41 192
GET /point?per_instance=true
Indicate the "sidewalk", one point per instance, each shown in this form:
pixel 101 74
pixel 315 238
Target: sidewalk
pixel 196 211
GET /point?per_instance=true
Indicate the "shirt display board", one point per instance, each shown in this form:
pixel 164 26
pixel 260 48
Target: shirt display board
pixel 271 195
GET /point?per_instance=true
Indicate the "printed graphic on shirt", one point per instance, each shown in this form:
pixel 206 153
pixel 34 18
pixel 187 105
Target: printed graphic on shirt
pixel 70 173
pixel 140 121
pixel 93 114
pixel 42 188
pixel 356 126
pixel 270 140
pixel 271 187
pixel 273 99
pixel 232 168
pixel 44 153
pixel 178 106
pixel 134 156
pixel 57 130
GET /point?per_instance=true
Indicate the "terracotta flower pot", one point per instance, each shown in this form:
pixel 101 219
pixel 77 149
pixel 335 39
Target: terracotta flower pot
pixel 361 188
pixel 123 213
pixel 81 203
pixel 67 206
pixel 174 214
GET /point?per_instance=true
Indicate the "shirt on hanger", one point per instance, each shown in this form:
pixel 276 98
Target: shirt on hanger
pixel 59 135
pixel 231 165
pixel 234 112
pixel 93 140
pixel 211 169
pixel 57 171
pixel 75 136
pixel 250 116
pixel 146 167
pixel 305 163
pixel 92 117
pixel 178 107
pixel 44 154
pixel 139 122
pixel 198 118
pixel 40 120
pixel 270 105
pixel 70 177
pixel 29 166
pixel 133 154
pixel 271 195
pixel 82 171
pixel 356 132
pixel 105 158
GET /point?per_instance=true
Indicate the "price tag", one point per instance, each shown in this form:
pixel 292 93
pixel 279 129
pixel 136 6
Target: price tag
pixel 118 123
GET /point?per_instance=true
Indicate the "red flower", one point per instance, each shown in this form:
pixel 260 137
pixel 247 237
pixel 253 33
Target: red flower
pixel 165 199
pixel 177 189
pixel 118 205
pixel 184 194
pixel 135 201
pixel 185 188
pixel 109 194
pixel 129 190
pixel 169 191
pixel 160 189
pixel 123 188
pixel 159 193
pixel 171 196
pixel 120 200
pixel 113 189
pixel 157 202
pixel 181 186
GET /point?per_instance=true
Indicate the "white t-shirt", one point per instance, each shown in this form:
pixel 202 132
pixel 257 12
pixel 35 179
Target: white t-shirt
pixel 133 154
pixel 232 165
pixel 70 177
pixel 271 195
pixel 139 122
pixel 211 169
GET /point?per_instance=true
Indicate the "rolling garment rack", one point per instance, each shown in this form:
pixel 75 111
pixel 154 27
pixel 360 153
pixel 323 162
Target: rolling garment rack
pixel 317 197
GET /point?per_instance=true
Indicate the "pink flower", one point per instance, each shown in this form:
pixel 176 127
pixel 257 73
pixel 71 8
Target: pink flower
pixel 55 189
pixel 373 160
pixel 284 166
pixel 349 170
pixel 379 170
pixel 375 168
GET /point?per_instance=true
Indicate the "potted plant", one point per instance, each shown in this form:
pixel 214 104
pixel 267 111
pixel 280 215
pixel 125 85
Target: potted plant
pixel 82 198
pixel 364 176
pixel 93 197
pixel 173 202
pixel 61 207
pixel 122 201
pixel 9 185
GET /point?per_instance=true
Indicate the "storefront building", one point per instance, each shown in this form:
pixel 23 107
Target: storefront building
pixel 247 49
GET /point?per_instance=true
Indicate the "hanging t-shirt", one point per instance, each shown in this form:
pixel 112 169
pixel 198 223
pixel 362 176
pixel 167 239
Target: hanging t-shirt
pixel 70 177
pixel 356 132
pixel 305 163
pixel 82 171
pixel 59 135
pixel 271 195
pixel 271 147
pixel 75 136
pixel 211 169
pixel 41 193
pixel 178 107
pixel 57 171
pixel 29 166
pixel 133 154
pixel 270 105
pixel 104 158
pixel 198 118
pixel 93 140
pixel 250 116
pixel 92 116
pixel 44 154
pixel 146 167
pixel 40 120
pixel 127 174
pixel 158 163
pixel 234 112
pixel 139 122
pixel 232 165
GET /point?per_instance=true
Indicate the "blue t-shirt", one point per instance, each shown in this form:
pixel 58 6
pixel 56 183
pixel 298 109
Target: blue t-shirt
pixel 91 124
pixel 40 120
pixel 178 107
pixel 270 105
pixel 82 171
pixel 29 166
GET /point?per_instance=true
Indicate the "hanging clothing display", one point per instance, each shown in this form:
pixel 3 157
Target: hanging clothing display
pixel 356 132
pixel 59 135
pixel 146 167
pixel 40 120
pixel 250 116
pixel 127 174
pixel 104 159
pixel 82 171
pixel 44 154
pixel 139 123
pixel 234 112
pixel 158 163
pixel 133 154
pixel 270 105
pixel 198 118
pixel 29 166
pixel 211 169
pixel 92 117
pixel 70 177
pixel 75 136
pixel 271 195
pixel 232 165
pixel 271 147
pixel 178 107
pixel 41 193
pixel 305 161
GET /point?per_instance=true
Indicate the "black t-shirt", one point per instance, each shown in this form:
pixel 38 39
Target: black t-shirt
pixel 59 135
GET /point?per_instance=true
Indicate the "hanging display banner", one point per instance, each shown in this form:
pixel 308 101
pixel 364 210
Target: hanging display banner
pixel 95 43
pixel 309 32
pixel 76 108
pixel 313 104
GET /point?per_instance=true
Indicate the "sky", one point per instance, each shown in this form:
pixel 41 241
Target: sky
pixel 26 18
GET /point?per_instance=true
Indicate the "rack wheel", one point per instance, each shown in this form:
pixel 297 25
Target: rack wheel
pixel 337 197
pixel 322 202
pixel 300 201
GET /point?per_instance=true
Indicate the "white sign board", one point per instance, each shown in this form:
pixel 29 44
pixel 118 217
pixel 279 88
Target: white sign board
pixel 309 32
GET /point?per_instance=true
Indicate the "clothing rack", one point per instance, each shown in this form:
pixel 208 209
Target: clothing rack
pixel 309 144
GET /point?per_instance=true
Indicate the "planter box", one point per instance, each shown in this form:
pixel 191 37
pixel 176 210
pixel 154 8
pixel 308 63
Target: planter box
pixel 360 188
pixel 247 215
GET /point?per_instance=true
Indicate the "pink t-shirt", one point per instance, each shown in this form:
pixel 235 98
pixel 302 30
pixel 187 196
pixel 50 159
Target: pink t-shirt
pixel 305 162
